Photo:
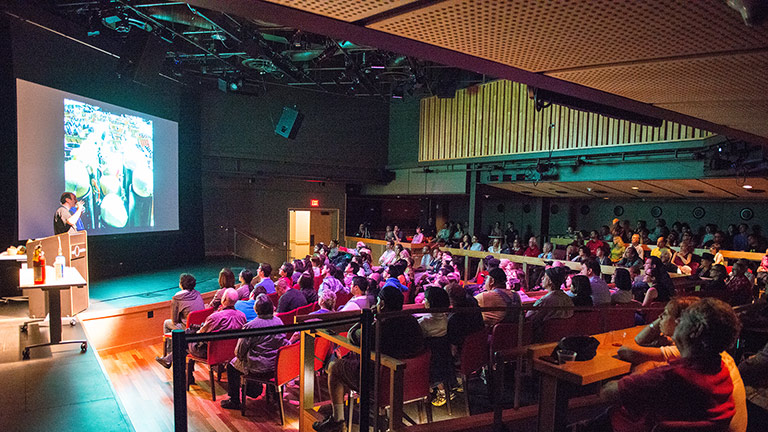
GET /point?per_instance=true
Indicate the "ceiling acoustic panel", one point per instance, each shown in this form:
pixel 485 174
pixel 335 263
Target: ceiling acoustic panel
pixel 746 115
pixel 345 10
pixel 715 78
pixel 547 36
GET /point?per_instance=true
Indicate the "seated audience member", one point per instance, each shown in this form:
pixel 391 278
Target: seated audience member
pixel 719 274
pixel 399 234
pixel 246 307
pixel 333 249
pixel 307 287
pixel 517 247
pixel 426 258
pixel 495 246
pixel 344 373
pixel 361 300
pixel 584 254
pixel 434 326
pixel 227 318
pixel 661 246
pixel 186 300
pixel 617 251
pixel 623 282
pixel 256 355
pixel 497 295
pixel 547 251
pixel 582 291
pixel 594 242
pixel 419 237
pixel 630 258
pixel 389 256
pixel 602 255
pixel 327 303
pixel 660 286
pixel 389 234
pixel 666 260
pixel 698 387
pixel 444 234
pixel 739 287
pixel 707 261
pixel 330 281
pixel 685 259
pixel 476 245
pixel 461 324
pixel 263 276
pixel 299 267
pixel 286 274
pixel 533 248
pixel 350 271
pixel 226 280
pixel 317 265
pixel 244 290
pixel 601 294
pixel 466 242
pixel 394 272
pixel 635 244
pixel 654 347
pixel 553 280
pixel 718 256
pixel 362 231
pixel 762 273
pixel 290 298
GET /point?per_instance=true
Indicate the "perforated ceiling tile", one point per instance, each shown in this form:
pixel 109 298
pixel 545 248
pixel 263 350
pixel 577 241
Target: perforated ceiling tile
pixel 552 35
pixel 750 116
pixel 345 10
pixel 702 79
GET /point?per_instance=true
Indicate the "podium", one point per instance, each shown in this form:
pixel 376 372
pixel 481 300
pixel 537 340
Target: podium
pixel 74 247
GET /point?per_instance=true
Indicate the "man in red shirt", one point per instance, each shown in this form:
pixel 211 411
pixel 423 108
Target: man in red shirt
pixel 695 388
pixel 594 242
pixel 739 287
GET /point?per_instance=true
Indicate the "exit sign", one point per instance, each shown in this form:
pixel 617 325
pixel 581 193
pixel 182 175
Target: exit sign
pixel 314 203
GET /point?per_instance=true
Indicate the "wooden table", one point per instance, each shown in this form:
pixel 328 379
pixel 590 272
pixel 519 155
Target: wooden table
pixel 555 379
pixel 52 288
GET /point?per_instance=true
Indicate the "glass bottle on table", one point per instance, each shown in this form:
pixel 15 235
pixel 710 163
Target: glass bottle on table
pixel 38 265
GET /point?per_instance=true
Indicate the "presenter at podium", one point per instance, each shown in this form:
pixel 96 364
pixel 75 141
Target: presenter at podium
pixel 67 216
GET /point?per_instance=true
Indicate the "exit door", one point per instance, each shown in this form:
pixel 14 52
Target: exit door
pixel 309 227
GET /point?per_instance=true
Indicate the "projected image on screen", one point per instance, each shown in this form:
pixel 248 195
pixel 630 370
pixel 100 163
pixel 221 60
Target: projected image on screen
pixel 108 165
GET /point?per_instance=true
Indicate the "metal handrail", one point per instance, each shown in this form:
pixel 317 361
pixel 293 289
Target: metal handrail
pixel 252 238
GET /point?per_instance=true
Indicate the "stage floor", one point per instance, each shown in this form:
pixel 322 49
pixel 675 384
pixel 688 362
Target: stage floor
pixel 159 285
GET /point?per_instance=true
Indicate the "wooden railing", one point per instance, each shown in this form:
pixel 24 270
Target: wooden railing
pixel 751 256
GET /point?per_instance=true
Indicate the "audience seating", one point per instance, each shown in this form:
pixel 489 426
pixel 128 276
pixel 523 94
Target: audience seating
pixel 194 318
pixel 473 357
pixel 619 317
pixel 416 390
pixel 287 317
pixel 288 369
pixel 220 352
pixel 305 310
pixel 582 323
pixel 653 311
pixel 274 298
pixel 342 297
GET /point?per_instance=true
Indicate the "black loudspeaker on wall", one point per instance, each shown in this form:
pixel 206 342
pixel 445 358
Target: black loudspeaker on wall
pixel 289 123
pixel 142 57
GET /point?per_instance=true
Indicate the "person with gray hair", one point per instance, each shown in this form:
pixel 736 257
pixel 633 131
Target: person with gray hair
pixel 327 302
pixel 226 318
pixel 254 356
pixel 697 388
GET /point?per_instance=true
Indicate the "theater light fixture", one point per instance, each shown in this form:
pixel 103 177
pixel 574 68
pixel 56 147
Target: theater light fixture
pixel 746 186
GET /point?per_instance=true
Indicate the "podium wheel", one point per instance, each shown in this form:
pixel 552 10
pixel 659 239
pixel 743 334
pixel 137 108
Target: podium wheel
pixel 25 354
pixel 84 347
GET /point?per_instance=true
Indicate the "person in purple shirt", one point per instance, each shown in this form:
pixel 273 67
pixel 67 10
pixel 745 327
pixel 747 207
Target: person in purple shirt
pixel 227 318
pixel 254 356
pixel 330 282
pixel 265 270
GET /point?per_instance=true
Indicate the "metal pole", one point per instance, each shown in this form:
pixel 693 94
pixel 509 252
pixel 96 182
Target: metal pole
pixel 179 380
pixel 366 369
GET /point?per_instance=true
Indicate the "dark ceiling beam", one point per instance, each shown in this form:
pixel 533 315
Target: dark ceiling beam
pixel 400 10
pixel 337 29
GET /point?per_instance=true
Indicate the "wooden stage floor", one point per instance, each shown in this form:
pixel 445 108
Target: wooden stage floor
pixel 146 391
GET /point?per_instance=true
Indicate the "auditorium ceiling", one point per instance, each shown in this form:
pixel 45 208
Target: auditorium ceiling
pixel 703 63
pixel 714 188
pixel 696 63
